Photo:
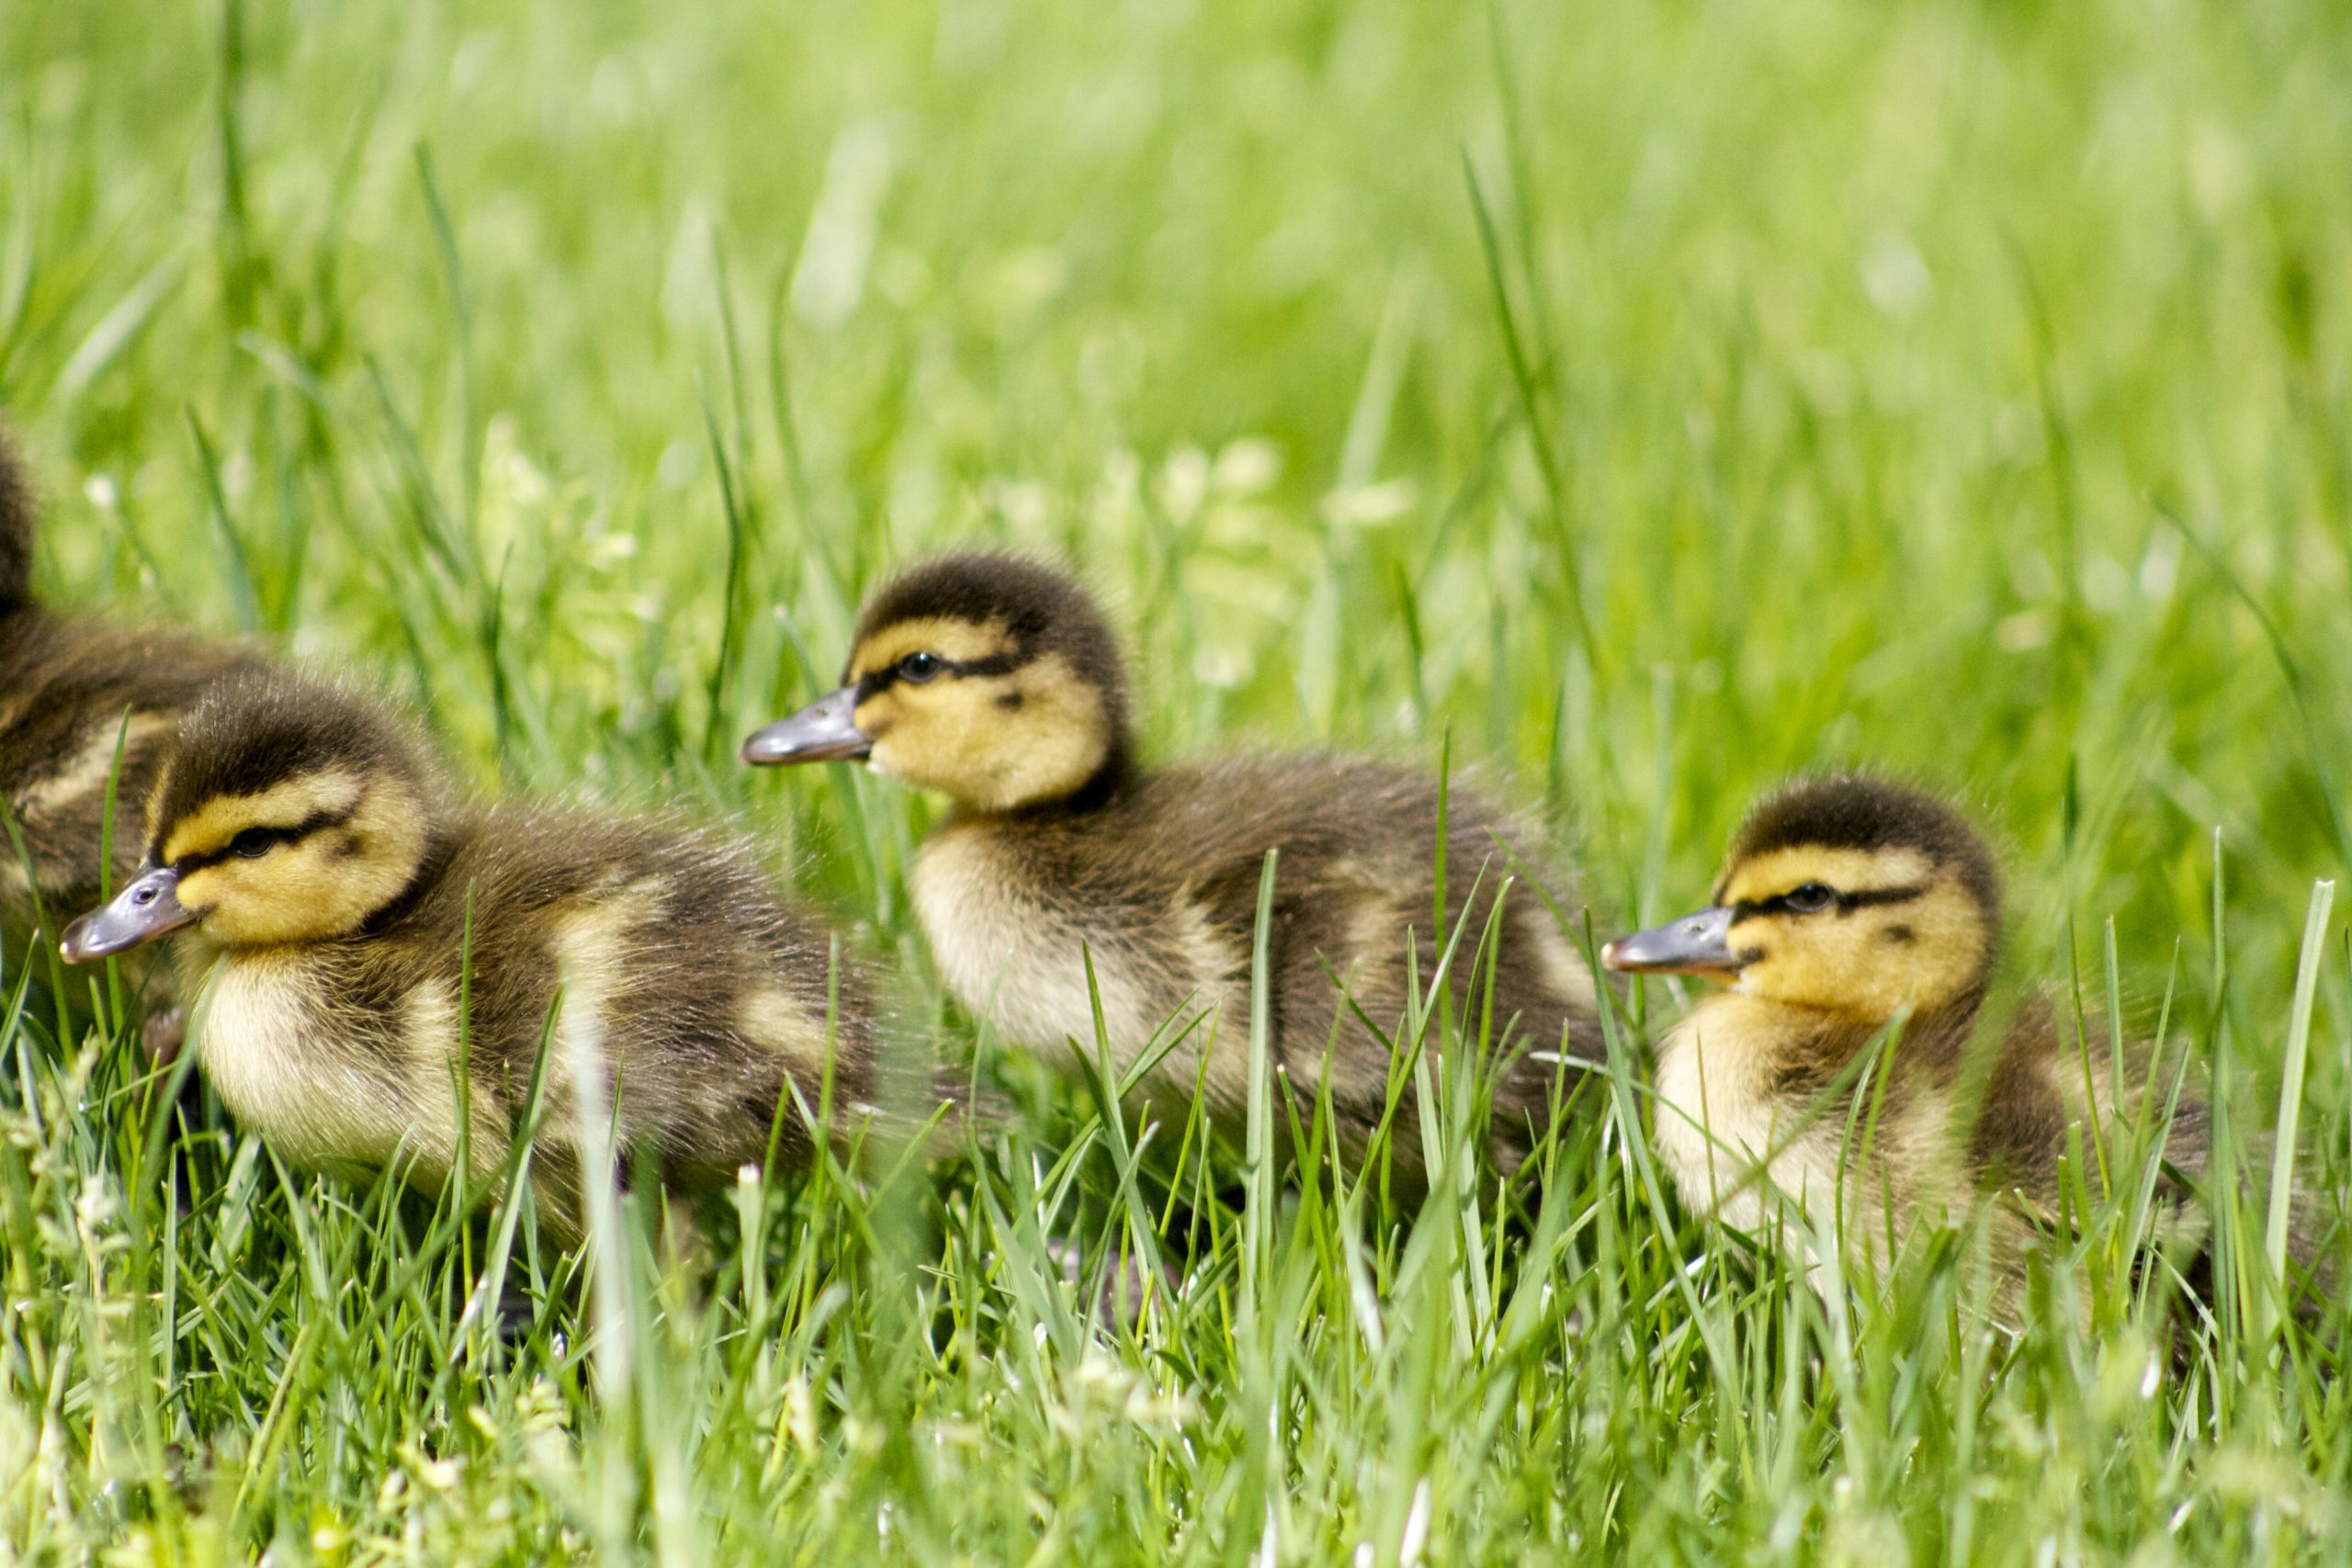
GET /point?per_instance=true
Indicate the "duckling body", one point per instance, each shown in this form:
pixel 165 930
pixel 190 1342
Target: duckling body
pixel 1859 924
pixel 1737 1126
pixel 702 993
pixel 996 680
pixel 372 958
pixel 1158 886
pixel 71 692
pixel 1759 1122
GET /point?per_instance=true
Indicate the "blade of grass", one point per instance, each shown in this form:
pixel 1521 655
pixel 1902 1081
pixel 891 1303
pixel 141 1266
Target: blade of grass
pixel 2290 1085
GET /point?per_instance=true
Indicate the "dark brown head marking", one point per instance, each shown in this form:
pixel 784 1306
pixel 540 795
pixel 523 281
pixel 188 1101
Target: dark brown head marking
pixel 1854 811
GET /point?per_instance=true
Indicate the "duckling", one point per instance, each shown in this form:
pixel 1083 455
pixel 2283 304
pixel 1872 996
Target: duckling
pixel 72 691
pixel 1847 906
pixel 342 906
pixel 996 680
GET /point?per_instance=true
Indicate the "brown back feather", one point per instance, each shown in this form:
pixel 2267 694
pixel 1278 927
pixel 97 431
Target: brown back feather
pixel 17 519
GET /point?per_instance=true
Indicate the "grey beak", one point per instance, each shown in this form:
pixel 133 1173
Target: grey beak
pixel 140 912
pixel 1695 945
pixel 824 731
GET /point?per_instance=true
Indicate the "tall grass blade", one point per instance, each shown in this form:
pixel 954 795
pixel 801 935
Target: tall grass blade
pixel 235 565
pixel 1258 1173
pixel 2291 1084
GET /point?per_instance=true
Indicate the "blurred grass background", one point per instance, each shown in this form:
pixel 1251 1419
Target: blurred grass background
pixel 1646 401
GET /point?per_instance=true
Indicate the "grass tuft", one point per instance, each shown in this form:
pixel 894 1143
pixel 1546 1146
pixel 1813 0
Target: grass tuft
pixel 1956 386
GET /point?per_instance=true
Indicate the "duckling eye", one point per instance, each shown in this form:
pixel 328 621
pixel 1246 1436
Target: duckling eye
pixel 254 842
pixel 1810 899
pixel 919 667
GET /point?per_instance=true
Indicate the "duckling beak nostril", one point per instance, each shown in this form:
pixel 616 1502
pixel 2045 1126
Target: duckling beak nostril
pixel 824 731
pixel 1695 945
pixel 142 912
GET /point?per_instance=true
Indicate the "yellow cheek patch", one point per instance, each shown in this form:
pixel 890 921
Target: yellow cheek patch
pixel 1755 931
pixel 961 641
pixel 1776 872
pixel 877 714
pixel 1866 963
pixel 296 894
pixel 199 891
pixel 1945 952
pixel 320 887
pixel 208 829
pixel 994 742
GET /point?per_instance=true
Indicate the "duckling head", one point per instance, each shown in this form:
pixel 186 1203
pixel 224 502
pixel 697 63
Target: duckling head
pixel 990 678
pixel 287 812
pixel 1848 896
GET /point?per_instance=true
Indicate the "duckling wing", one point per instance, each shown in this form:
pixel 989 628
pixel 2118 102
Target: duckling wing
pixel 717 1008
pixel 1354 925
pixel 2049 1093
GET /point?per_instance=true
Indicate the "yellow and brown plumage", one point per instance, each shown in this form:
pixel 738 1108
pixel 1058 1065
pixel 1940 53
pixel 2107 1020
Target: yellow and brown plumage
pixel 1854 919
pixel 996 680
pixel 72 692
pixel 339 901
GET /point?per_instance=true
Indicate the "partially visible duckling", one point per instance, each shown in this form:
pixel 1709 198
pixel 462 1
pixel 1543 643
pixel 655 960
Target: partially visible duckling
pixel 71 692
pixel 1848 906
pixel 340 903
pixel 995 680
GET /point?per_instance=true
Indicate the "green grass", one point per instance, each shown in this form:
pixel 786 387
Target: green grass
pixel 1642 401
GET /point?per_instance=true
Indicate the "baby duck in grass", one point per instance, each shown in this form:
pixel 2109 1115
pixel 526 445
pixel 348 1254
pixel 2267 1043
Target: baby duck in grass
pixel 996 680
pixel 72 692
pixel 1858 924
pixel 368 954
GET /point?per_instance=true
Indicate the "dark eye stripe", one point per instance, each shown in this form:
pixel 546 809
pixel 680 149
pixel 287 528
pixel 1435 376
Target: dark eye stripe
pixel 873 682
pixel 1871 896
pixel 318 821
pixel 1842 903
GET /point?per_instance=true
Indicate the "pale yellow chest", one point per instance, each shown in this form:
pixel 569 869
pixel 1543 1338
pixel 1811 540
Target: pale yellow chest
pixel 1734 1145
pixel 1012 959
pixel 1776 1164
pixel 327 1090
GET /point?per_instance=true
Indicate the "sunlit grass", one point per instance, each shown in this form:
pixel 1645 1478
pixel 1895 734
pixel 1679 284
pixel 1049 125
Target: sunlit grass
pixel 1633 403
